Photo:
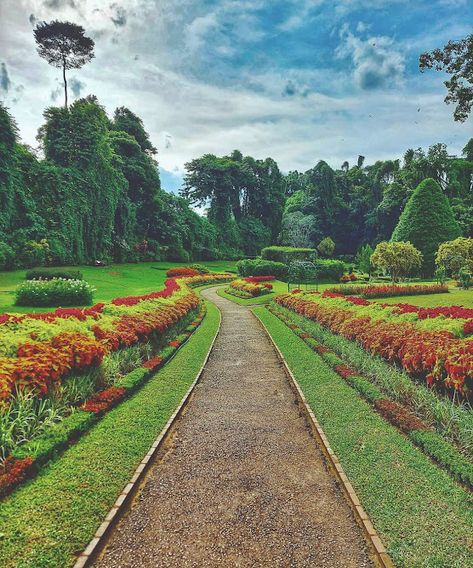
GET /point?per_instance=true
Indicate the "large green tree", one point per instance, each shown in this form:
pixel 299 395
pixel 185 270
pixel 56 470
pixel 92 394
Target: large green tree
pixel 426 222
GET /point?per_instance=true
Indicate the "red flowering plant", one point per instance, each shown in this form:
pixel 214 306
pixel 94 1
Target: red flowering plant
pixel 436 356
pixel 38 350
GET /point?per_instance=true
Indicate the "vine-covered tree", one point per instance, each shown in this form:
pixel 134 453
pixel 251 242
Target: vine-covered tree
pixel 456 59
pixel 64 45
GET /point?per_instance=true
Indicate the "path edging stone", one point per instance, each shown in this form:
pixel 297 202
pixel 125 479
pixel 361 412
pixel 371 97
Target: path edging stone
pixel 100 537
pixel 379 551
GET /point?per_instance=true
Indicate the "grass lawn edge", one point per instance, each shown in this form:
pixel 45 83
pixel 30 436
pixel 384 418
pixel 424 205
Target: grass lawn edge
pixel 422 515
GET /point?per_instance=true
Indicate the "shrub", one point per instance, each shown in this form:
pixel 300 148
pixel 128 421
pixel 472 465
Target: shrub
pixel 181 272
pixel 35 253
pixel 56 292
pixel 326 247
pixel 302 272
pixel 426 222
pixel 455 255
pixel 329 269
pixel 399 258
pixel 201 269
pixel 287 254
pixel 259 267
pixel 50 274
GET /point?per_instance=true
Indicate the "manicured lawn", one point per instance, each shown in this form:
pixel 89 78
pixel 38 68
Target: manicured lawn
pixel 455 297
pixel 48 520
pixel 423 516
pixel 110 281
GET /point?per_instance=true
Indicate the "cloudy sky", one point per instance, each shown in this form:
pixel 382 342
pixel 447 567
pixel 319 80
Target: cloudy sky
pixel 297 80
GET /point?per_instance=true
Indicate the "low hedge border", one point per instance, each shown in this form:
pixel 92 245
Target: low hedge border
pixel 431 443
pixel 26 461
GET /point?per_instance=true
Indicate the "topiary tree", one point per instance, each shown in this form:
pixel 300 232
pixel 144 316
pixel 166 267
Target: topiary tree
pixel 456 254
pixel 427 221
pixel 302 272
pixel 326 247
pixel 400 259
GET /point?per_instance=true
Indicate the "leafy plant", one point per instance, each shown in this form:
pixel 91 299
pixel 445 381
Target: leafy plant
pixel 54 292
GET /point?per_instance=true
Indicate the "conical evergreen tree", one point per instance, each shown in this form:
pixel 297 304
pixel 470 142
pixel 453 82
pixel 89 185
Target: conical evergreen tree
pixel 427 221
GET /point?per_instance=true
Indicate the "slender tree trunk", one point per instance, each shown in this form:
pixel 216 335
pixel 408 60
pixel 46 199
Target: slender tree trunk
pixel 65 82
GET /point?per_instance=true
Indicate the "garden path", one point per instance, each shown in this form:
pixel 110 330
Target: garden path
pixel 243 483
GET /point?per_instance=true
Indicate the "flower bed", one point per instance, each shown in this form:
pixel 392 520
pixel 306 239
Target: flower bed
pixel 432 443
pixel 429 350
pixel 121 323
pixel 182 272
pixel 389 290
pixel 38 350
pixel 245 289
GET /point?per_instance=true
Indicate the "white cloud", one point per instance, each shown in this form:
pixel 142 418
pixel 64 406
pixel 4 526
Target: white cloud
pixel 187 115
pixel 376 61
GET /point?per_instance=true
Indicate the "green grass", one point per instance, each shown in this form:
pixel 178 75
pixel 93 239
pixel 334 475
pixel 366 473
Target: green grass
pixel 455 297
pixel 52 517
pixel 110 281
pixel 422 515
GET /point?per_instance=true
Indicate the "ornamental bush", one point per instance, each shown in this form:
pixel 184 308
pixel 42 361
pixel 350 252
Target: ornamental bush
pixel 400 259
pixel 426 222
pixel 455 255
pixel 329 269
pixel 56 292
pixel 286 255
pixel 260 267
pixel 50 274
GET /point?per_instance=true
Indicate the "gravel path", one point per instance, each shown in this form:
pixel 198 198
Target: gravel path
pixel 243 482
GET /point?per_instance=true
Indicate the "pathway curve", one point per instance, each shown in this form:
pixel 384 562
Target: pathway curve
pixel 243 482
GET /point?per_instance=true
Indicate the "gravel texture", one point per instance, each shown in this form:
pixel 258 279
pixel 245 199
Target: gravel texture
pixel 242 482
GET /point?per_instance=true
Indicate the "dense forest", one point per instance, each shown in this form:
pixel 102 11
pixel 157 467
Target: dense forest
pixel 92 192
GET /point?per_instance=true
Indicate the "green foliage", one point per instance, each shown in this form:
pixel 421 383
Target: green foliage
pixel 456 254
pixel 302 272
pixel 50 273
pixel 56 292
pixel 260 267
pixel 456 59
pixel 328 269
pixel 363 259
pixel 200 268
pixel 399 258
pixel 287 254
pixel 7 256
pixel 465 278
pixel 63 45
pixel 426 222
pixel 326 247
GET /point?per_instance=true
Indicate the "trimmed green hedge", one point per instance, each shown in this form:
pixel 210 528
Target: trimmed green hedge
pixel 330 269
pixel 56 292
pixel 259 267
pixel 287 254
pixel 50 273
